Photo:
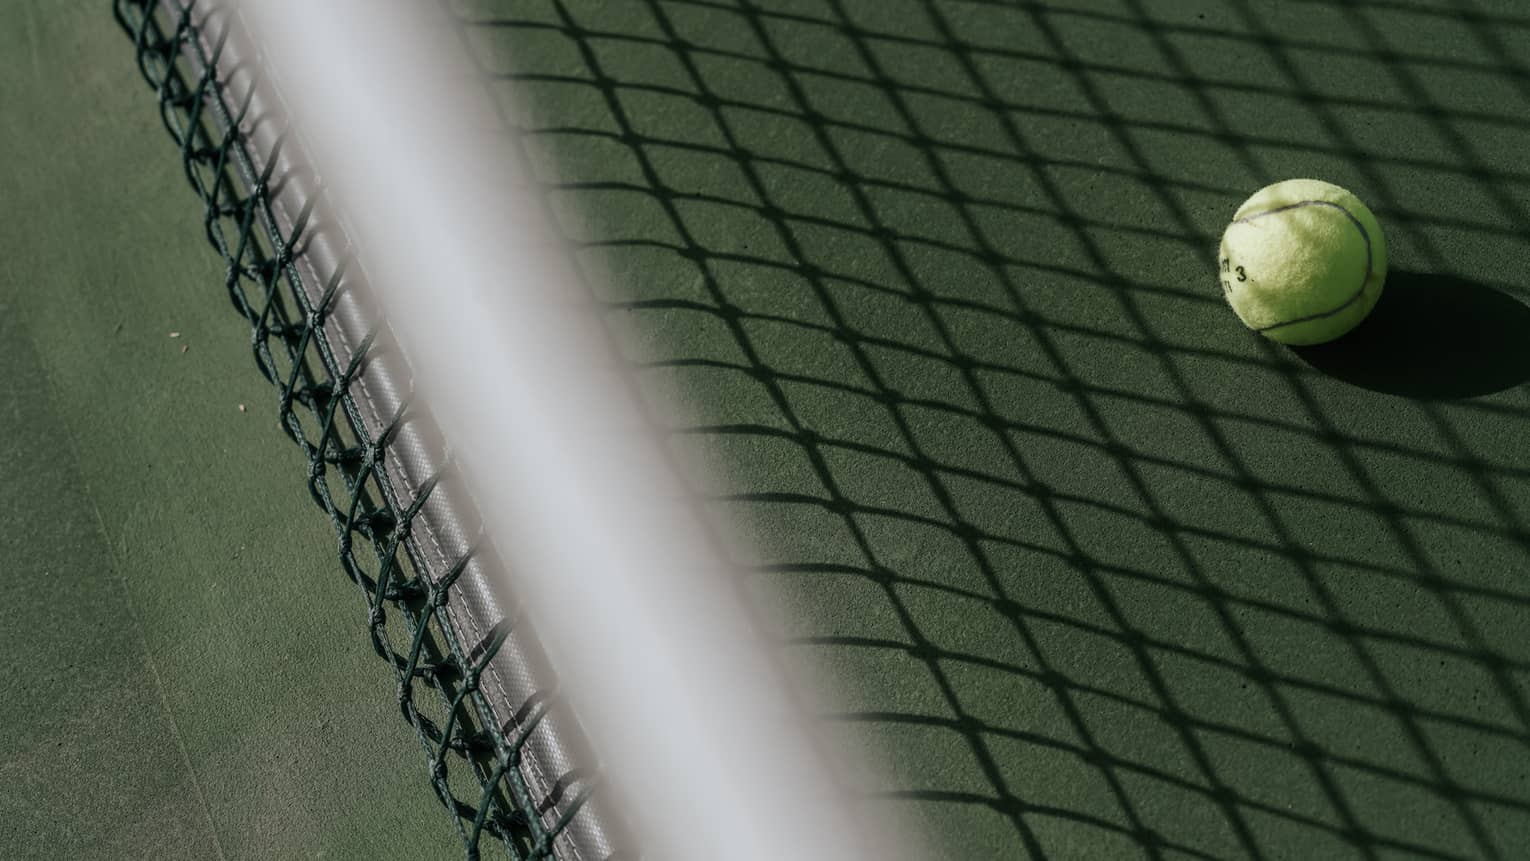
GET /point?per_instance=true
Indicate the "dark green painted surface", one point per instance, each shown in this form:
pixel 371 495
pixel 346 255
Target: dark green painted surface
pixel 85 727
pixel 186 672
pixel 1103 573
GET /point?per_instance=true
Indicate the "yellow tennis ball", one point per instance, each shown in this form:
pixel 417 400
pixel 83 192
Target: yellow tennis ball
pixel 1302 262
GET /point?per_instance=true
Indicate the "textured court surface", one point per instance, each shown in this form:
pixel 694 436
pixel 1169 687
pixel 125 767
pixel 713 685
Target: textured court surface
pixel 186 673
pixel 1101 573
pixel 1105 573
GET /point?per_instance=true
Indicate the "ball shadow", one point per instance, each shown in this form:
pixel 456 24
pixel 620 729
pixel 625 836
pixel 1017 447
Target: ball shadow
pixel 1432 337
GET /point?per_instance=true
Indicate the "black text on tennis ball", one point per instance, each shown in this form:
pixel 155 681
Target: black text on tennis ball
pixel 1302 262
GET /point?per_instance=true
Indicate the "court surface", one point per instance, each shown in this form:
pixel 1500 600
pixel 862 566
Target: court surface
pixel 1096 571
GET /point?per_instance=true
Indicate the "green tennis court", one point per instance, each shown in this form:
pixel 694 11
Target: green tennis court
pixel 1094 571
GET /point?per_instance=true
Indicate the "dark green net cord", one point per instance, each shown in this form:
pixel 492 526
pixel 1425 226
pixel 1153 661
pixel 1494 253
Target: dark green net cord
pixel 473 765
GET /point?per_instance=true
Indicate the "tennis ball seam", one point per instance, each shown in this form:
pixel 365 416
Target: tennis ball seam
pixel 1365 236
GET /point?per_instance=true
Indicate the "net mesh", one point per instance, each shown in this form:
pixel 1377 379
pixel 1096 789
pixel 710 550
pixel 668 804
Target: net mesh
pixel 476 758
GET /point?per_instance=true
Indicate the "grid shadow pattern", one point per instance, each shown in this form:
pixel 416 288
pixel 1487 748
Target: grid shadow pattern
pixel 1102 574
pixel 476 758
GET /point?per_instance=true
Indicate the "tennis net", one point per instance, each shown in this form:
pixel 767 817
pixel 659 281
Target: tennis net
pixel 500 751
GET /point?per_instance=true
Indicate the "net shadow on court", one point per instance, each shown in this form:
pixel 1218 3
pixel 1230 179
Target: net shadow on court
pixel 1100 572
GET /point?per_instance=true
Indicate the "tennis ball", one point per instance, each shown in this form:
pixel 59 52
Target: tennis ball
pixel 1302 262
